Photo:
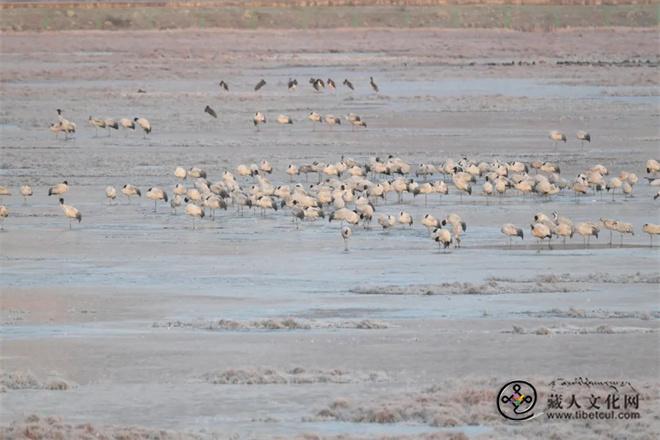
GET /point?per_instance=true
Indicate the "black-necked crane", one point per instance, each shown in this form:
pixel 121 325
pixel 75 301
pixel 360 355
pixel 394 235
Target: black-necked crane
pixel 156 194
pixel 652 230
pixel 652 166
pixel 179 189
pixel 96 123
pixel 292 170
pixel 387 221
pixel 259 118
pixel 144 124
pixel 259 85
pixel 317 83
pixel 265 167
pixel 180 173
pixel 430 222
pixel 356 121
pixel 614 184
pixel 425 189
pixel 331 84
pixel 26 191
pixel 454 220
pixel 557 136
pixel 214 202
pixel 405 219
pixel 511 230
pixel 65 125
pixel 4 213
pixel 442 237
pixel 583 136
pixel 348 84
pixel 315 117
pixel 587 230
pixel 332 120
pixel 197 172
pixel 194 211
pixel 129 191
pixel 59 189
pixel 541 232
pixel 627 188
pixel 373 84
pixel 210 111
pixel 346 233
pixel 111 124
pixel 266 202
pixel 462 184
pixel 70 212
pixel 223 85
pixel 127 124
pixel 283 119
pixel 292 84
pixel 624 228
pixel 56 128
pixel 345 215
pixel 564 230
pixel 176 201
pixel 110 193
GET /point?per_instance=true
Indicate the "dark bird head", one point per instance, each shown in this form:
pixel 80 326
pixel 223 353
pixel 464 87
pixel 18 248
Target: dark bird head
pixel 135 119
pixel 519 233
pixel 61 201
pixel 443 223
pixel 185 199
pixel 65 182
pixel 59 111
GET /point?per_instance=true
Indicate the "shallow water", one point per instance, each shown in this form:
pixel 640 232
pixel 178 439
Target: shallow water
pixel 83 302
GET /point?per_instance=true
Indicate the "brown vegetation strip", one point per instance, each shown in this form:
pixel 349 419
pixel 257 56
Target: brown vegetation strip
pixel 299 3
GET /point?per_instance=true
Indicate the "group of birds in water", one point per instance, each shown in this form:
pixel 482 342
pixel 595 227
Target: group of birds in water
pixel 68 128
pixel 317 83
pixel 350 191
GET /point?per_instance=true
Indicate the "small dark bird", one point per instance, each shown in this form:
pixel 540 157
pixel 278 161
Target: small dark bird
pixel 293 83
pixel 348 84
pixel 317 83
pixel 259 85
pixel 210 111
pixel 373 84
pixel 223 85
pixel 331 84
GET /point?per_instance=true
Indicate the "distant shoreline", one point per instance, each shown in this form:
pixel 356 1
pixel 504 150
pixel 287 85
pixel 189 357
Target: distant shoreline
pixel 323 14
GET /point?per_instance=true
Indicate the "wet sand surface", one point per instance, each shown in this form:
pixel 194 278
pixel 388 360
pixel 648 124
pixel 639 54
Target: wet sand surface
pixel 251 327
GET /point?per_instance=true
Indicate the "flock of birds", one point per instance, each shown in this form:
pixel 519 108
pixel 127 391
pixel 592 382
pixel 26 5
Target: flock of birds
pixel 68 128
pixel 349 192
